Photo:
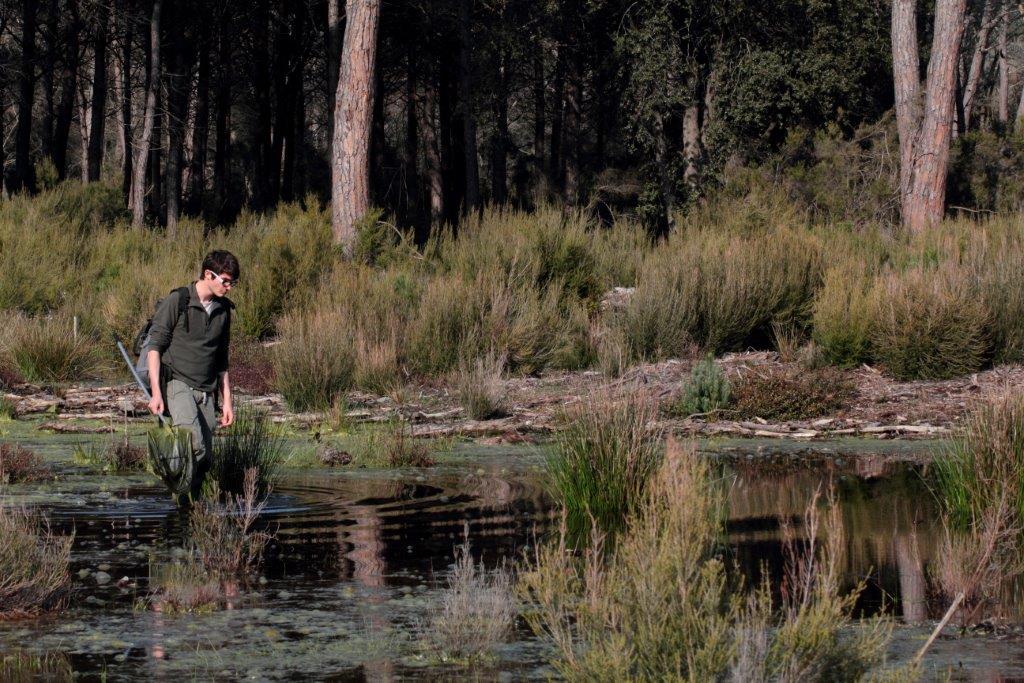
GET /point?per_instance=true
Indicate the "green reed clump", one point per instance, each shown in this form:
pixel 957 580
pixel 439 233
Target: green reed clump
pixel 315 359
pixel 791 393
pixel 602 458
pixel 984 463
pixel 47 350
pixel 251 445
pixel 477 610
pixel 659 605
pixel 707 390
pixel 33 564
pixel 930 324
pixel 8 408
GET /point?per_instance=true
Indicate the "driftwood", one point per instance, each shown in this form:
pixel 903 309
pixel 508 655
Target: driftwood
pixel 66 428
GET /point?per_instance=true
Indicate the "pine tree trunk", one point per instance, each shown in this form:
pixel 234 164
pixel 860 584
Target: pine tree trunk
pixel 334 36
pixel 499 144
pixel 24 176
pixel 926 200
pixel 538 108
pixel 977 61
pixel 141 165
pixel 469 147
pixel 201 127
pixel 906 79
pixel 353 113
pixel 49 70
pixel 1003 89
pixel 126 98
pixel 222 150
pixel 99 93
pixel 261 143
pixel 68 93
pixel 432 152
pixel 177 78
pixel 691 143
pixel 412 177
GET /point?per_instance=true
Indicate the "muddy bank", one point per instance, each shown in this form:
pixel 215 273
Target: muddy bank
pixel 878 407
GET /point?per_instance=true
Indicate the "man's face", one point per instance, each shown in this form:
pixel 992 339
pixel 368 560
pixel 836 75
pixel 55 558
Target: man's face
pixel 220 283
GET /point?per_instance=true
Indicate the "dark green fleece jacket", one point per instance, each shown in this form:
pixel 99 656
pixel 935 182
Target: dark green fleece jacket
pixel 196 356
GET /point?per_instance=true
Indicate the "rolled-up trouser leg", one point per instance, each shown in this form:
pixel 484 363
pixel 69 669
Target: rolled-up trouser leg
pixel 194 410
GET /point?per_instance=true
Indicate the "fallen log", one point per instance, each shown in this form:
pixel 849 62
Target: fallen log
pixel 65 428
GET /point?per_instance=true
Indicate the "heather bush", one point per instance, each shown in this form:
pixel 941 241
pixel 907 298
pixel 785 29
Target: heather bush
pixel 790 393
pixel 929 324
pixel 119 457
pixel 659 605
pixel 20 465
pixel 480 388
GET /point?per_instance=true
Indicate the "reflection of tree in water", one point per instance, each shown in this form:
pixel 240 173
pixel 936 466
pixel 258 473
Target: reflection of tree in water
pixel 887 516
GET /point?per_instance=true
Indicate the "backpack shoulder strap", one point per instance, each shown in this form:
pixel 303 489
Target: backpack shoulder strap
pixel 183 301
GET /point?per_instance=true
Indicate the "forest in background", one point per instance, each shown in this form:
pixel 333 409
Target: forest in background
pixel 626 107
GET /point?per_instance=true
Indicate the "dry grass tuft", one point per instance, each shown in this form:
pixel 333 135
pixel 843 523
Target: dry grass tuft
pixel 477 610
pixel 33 565
pixel 480 387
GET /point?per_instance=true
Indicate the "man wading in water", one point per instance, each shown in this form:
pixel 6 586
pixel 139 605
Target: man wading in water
pixel 189 352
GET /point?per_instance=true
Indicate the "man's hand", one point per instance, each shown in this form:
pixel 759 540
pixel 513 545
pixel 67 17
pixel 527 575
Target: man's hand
pixel 156 404
pixel 227 415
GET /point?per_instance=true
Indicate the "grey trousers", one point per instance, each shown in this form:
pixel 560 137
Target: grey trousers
pixel 195 411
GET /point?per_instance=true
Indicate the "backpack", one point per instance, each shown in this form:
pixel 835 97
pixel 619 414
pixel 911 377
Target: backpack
pixel 142 338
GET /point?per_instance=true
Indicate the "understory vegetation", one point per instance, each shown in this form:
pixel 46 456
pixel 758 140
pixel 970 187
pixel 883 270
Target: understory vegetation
pixel 521 289
pixel 252 446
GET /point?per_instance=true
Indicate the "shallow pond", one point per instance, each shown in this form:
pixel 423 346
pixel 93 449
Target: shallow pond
pixel 360 557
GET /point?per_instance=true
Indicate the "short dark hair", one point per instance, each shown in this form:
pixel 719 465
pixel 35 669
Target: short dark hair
pixel 221 262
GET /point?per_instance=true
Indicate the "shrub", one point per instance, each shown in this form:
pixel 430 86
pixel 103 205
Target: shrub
pixel 47 350
pixel 791 393
pixel 33 564
pixel 315 360
pixel 843 315
pixel 720 291
pixel 19 465
pixel 249 446
pixel 930 324
pixel 996 257
pixel 602 458
pixel 376 363
pixel 611 349
pixel 708 390
pixel 476 610
pixel 480 388
pixel 252 370
pixel 446 329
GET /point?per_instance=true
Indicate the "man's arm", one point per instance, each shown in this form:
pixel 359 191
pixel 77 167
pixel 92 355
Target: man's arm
pixel 156 401
pixel 227 411
pixel 159 339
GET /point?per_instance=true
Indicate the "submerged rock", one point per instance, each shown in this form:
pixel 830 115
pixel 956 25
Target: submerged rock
pixel 102 578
